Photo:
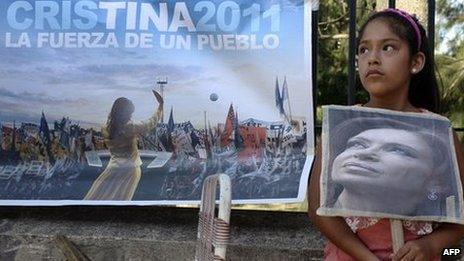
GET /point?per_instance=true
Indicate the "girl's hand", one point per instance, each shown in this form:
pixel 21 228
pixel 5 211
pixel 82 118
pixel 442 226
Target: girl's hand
pixel 414 250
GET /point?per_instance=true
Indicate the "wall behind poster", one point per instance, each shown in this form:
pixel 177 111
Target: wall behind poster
pixel 233 78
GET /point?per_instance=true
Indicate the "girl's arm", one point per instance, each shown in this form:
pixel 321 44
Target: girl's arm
pixel 334 228
pixel 446 235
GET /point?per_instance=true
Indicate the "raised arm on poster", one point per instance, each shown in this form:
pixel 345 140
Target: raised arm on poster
pixel 391 162
pixel 231 79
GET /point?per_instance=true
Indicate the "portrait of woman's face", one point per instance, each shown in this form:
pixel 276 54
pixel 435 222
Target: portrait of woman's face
pixel 385 165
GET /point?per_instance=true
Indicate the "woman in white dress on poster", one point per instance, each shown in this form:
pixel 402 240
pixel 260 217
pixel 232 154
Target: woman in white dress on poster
pixel 120 178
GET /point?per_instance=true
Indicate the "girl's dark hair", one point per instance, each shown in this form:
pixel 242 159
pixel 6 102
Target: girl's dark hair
pixel 119 116
pixel 423 88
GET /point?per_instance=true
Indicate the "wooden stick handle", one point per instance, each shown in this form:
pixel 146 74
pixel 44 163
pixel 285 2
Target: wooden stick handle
pixel 70 251
pixel 397 235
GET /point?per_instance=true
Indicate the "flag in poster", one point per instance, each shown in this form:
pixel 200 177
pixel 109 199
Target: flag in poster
pixel 137 102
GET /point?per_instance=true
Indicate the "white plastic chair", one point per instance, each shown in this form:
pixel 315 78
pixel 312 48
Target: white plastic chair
pixel 213 232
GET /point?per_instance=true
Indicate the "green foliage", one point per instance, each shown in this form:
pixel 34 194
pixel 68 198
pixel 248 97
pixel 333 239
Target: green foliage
pixel 332 57
pixel 332 74
pixel 450 63
pixel 451 79
pixel 451 14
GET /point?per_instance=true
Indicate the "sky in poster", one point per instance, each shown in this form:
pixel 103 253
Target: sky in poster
pixel 82 83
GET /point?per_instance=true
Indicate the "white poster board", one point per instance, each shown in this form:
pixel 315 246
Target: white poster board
pixel 388 164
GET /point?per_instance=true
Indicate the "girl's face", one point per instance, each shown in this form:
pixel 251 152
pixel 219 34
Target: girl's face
pixel 375 163
pixel 384 61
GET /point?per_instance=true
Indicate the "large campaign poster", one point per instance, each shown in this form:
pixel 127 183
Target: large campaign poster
pixel 137 102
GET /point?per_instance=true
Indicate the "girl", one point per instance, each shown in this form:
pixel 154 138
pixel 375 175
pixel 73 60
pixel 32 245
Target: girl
pixel 396 69
pixel 120 178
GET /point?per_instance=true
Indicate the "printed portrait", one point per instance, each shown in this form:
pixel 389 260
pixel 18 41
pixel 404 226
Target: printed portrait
pixel 388 164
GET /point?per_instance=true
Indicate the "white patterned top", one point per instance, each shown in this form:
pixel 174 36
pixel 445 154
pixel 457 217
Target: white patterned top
pixel 419 228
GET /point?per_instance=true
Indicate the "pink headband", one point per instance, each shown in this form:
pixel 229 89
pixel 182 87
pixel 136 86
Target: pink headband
pixel 411 21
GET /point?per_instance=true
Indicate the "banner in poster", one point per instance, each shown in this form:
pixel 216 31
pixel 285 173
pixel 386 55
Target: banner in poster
pixel 137 102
